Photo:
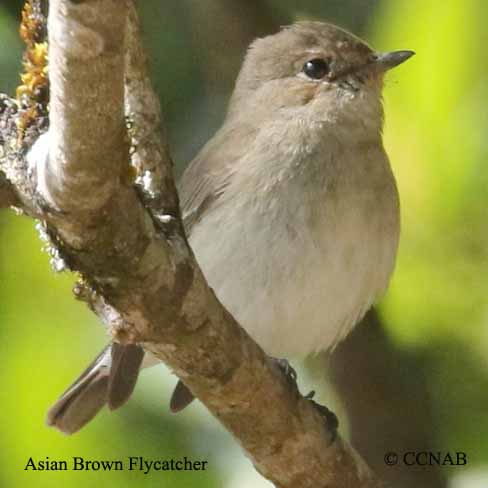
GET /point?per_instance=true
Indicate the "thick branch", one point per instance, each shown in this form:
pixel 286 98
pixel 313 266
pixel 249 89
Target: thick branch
pixel 16 186
pixel 85 40
pixel 146 283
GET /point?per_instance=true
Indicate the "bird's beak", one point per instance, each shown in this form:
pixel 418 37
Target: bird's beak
pixel 386 61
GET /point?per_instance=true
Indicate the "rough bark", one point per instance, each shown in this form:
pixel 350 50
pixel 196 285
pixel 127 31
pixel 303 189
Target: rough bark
pixel 127 241
pixel 8 196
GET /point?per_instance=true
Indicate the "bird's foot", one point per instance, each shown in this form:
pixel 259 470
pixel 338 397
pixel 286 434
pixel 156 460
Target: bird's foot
pixel 287 369
pixel 310 395
pixel 331 421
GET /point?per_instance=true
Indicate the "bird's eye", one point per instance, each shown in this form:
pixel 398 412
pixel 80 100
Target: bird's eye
pixel 316 68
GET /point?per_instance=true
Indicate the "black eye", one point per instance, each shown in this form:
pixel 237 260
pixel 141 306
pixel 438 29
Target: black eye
pixel 316 68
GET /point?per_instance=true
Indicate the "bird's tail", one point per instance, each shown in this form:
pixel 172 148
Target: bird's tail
pixel 181 398
pixel 110 379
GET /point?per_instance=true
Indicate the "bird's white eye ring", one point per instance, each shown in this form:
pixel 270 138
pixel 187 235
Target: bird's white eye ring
pixel 316 68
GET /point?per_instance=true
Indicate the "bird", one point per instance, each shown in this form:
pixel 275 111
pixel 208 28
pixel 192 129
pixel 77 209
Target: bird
pixel 291 208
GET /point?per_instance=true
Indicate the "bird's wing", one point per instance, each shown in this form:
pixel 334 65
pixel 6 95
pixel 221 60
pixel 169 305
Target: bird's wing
pixel 207 176
pixel 202 185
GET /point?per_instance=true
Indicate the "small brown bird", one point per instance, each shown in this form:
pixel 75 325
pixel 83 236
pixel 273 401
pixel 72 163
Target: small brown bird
pixel 298 189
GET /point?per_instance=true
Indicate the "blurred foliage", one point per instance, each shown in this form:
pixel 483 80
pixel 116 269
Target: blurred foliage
pixel 436 129
pixel 436 126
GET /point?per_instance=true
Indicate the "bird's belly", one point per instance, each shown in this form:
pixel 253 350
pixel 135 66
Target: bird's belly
pixel 294 290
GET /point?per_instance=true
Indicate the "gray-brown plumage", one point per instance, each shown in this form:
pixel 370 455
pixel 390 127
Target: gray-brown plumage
pixel 110 379
pixel 291 208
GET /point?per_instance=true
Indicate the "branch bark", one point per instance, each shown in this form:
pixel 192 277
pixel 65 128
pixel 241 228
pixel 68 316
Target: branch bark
pixel 150 155
pixel 8 197
pixel 129 245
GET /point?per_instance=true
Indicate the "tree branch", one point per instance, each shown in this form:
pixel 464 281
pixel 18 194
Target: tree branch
pixel 132 252
pixel 8 197
pixel 148 137
pixel 85 40
pixel 16 186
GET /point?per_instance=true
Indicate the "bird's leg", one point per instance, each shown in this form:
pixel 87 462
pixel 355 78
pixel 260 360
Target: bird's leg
pixel 291 374
pixel 310 395
pixel 287 369
pixel 331 421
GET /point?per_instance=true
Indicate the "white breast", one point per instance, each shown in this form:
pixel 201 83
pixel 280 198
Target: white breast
pixel 299 248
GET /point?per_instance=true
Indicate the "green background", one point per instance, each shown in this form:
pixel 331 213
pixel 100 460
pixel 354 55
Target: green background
pixel 436 309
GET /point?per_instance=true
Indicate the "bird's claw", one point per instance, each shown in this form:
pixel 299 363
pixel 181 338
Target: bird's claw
pixel 310 395
pixel 287 369
pixel 331 421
